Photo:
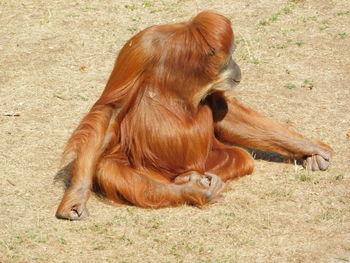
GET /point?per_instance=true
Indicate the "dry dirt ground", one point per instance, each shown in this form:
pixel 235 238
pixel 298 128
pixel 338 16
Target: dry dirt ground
pixel 55 59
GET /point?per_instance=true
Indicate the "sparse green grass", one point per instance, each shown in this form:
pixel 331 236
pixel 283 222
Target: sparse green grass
pixel 263 22
pixel 272 19
pixel 307 19
pixel 81 97
pixel 286 32
pixel 100 247
pixel 77 229
pixel 290 86
pixel 157 7
pixel 280 46
pixel 339 177
pixel 287 10
pixel 244 51
pixel 62 241
pixel 343 35
pixel 126 240
pixel 343 13
pixel 155 11
pixel 132 29
pixel 131 7
pixel 230 214
pixel 280 193
pixel 73 15
pixel 344 259
pixel 136 19
pixel 324 24
pixel 304 177
pixel 90 8
pixel 308 84
pixel 147 4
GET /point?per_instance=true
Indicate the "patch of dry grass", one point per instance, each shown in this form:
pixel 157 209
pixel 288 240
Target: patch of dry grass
pixel 55 59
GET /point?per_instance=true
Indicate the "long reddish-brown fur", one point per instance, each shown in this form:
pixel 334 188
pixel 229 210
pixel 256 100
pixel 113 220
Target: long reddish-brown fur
pixel 161 134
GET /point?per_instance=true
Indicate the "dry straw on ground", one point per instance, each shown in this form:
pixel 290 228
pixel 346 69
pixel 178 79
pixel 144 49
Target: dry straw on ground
pixel 55 59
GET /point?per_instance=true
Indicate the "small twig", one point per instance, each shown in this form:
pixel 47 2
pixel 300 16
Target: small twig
pixel 11 183
pixel 12 114
pixel 60 97
pixel 50 15
pixel 246 43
